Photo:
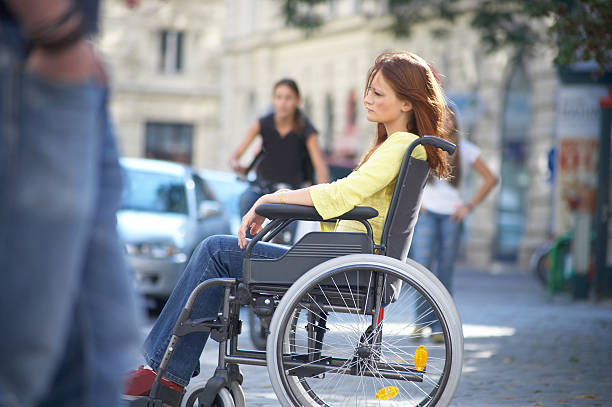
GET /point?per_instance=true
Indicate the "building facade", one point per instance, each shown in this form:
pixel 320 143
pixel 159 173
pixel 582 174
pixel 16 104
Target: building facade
pixel 166 59
pixel 192 75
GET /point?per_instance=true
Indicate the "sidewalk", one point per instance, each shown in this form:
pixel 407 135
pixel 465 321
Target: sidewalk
pixel 521 347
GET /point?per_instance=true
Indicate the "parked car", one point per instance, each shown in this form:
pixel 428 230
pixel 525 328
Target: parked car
pixel 228 188
pixel 166 210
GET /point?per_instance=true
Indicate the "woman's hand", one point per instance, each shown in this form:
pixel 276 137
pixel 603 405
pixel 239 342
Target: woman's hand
pixel 75 64
pixel 461 213
pixel 254 221
pixel 251 220
pixel 239 169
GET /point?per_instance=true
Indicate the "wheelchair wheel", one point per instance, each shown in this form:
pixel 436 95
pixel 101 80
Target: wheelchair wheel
pixel 328 344
pixel 238 395
pixel 234 397
pixel 224 399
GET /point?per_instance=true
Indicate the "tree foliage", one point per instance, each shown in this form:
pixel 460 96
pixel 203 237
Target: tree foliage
pixel 579 30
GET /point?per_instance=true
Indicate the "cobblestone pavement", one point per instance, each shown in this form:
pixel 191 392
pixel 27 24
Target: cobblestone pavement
pixel 522 348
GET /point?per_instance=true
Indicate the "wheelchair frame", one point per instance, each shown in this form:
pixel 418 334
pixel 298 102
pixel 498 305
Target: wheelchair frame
pixel 260 287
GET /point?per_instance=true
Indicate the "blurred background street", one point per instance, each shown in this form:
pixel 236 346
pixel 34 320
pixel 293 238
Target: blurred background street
pixel 534 288
pixel 190 76
pixel 201 99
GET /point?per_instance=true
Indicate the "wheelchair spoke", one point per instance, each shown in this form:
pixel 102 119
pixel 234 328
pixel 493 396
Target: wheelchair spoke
pixel 425 376
pixel 343 300
pixel 332 307
pixel 343 353
pixel 367 292
pixel 381 379
pixel 338 377
pixel 399 383
pixel 350 289
pixel 315 302
pixel 347 327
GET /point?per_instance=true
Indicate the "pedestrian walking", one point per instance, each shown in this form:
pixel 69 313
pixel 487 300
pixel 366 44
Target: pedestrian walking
pixel 437 234
pixel 68 320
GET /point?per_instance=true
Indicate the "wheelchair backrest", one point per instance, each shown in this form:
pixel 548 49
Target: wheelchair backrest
pixel 404 206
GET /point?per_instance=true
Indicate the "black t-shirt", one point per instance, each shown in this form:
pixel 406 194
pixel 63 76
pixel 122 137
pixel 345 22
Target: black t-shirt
pixel 285 157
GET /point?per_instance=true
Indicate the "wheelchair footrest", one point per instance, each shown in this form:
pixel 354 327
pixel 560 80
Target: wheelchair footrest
pixel 219 328
pixel 199 325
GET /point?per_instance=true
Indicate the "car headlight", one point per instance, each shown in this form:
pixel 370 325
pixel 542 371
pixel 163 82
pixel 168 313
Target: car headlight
pixel 156 250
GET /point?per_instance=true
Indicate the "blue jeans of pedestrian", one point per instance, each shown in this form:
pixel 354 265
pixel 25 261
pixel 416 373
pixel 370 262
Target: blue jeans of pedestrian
pixel 69 323
pixel 216 256
pixel 435 244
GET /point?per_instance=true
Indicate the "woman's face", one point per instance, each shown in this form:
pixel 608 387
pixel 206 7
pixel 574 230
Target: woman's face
pixel 382 104
pixel 285 101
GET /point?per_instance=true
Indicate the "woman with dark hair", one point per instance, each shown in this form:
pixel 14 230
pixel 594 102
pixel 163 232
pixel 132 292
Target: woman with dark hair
pixel 437 234
pixel 290 147
pixel 404 98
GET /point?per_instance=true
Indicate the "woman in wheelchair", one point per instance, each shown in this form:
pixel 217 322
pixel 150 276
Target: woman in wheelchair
pixel 404 99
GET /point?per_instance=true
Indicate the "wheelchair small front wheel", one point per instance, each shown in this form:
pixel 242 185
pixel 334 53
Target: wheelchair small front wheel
pixel 365 328
pixel 238 395
pixel 224 399
pixel 233 397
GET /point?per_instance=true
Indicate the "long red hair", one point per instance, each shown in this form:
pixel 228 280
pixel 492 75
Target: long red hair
pixel 412 79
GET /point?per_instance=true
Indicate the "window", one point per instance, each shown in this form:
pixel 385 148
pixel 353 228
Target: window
pixel 169 141
pixel 333 11
pixel 203 193
pixel 171 51
pixel 358 6
pixel 153 192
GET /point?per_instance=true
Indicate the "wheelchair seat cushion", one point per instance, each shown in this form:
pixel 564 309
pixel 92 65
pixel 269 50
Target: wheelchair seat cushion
pixel 302 212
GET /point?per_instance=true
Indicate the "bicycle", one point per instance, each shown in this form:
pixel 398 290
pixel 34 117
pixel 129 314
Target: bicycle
pixel 552 263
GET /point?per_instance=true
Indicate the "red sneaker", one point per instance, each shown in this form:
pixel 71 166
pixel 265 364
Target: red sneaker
pixel 139 383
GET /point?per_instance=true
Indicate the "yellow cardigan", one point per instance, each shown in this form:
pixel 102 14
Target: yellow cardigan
pixel 371 185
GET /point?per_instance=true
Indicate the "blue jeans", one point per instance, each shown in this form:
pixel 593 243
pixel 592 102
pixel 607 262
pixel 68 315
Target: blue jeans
pixel 216 256
pixel 435 244
pixel 69 323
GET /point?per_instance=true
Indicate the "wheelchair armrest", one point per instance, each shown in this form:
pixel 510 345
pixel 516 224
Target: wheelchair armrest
pixel 302 212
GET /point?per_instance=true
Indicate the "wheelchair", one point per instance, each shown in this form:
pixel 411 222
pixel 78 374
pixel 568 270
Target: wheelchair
pixel 343 327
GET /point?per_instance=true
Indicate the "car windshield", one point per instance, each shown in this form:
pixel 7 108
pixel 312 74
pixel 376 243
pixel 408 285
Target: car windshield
pixel 228 192
pixel 223 189
pixel 153 192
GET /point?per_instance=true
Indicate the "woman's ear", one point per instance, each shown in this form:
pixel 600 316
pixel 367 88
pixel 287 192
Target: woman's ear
pixel 406 106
